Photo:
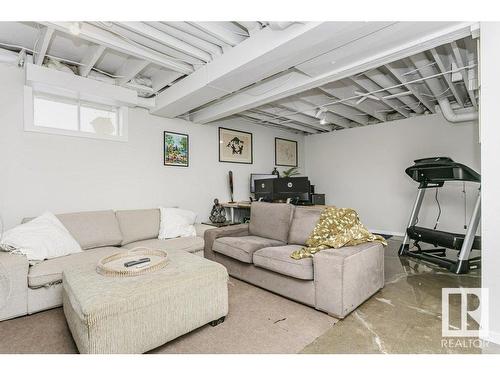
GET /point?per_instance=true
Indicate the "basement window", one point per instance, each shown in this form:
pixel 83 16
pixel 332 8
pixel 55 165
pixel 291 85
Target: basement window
pixel 47 113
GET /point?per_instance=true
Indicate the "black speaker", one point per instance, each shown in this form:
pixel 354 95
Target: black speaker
pixel 312 189
pixel 318 199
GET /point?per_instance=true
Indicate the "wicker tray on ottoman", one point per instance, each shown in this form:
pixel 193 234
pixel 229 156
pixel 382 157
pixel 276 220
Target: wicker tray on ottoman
pixel 136 314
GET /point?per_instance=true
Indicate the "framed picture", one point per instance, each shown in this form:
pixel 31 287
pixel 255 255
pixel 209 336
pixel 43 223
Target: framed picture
pixel 285 152
pixel 175 149
pixel 235 146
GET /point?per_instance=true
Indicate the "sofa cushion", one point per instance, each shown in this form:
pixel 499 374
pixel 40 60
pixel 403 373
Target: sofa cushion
pixel 303 223
pixel 138 225
pixel 270 220
pixel 93 228
pixel 278 259
pixel 189 244
pixel 50 271
pixel 242 248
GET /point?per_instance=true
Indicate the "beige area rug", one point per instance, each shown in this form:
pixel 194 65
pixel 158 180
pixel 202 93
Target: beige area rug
pixel 258 322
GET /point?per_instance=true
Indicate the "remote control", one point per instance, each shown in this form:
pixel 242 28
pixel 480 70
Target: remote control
pixel 136 262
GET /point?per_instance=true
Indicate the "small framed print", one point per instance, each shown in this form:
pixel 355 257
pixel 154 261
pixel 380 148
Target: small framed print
pixel 235 146
pixel 285 152
pixel 175 149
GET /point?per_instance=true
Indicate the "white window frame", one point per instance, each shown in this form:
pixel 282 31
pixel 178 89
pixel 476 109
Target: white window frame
pixel 29 121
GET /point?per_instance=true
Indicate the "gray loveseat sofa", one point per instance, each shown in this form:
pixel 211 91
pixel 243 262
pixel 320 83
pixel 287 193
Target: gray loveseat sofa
pixel 33 288
pixel 335 281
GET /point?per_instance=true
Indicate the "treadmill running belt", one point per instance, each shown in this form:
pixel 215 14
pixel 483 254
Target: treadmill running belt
pixel 440 238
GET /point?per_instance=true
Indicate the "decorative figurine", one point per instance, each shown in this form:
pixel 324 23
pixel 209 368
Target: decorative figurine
pixel 218 213
pixel 231 186
pixel 276 172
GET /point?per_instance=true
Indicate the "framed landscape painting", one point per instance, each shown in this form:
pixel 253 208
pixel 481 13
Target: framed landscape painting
pixel 285 152
pixel 175 149
pixel 235 146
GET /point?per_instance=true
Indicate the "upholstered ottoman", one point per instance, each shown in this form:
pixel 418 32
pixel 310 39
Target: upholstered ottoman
pixel 136 314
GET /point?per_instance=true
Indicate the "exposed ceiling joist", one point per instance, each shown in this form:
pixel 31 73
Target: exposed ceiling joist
pixel 387 81
pixel 44 39
pixel 265 54
pixel 339 93
pixel 447 77
pixel 460 63
pixel 93 54
pixel 159 36
pixel 268 124
pixel 217 31
pixel 368 85
pixel 295 105
pixel 425 40
pixel 285 112
pixel 272 119
pixel 317 98
pixel 162 78
pixel 250 26
pixel 107 39
pixel 130 68
pixel 211 48
pixel 414 88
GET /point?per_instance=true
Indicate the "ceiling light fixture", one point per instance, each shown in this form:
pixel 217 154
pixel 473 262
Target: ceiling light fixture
pixel 320 111
pixel 323 120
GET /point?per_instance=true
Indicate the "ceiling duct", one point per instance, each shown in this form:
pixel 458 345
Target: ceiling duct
pixel 438 90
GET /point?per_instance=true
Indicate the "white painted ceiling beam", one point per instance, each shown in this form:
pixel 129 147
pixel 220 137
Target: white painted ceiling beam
pixel 93 54
pixel 220 32
pixel 211 48
pixel 363 109
pixel 368 85
pixel 318 98
pixel 299 105
pixel 250 26
pixel 155 46
pixel 285 112
pixel 190 29
pixel 268 124
pixel 161 37
pixel 162 78
pixel 267 53
pixel 414 88
pixel 274 120
pixel 465 74
pixel 129 69
pixel 107 39
pixel 418 42
pixel 384 80
pixel 447 77
pixel 44 39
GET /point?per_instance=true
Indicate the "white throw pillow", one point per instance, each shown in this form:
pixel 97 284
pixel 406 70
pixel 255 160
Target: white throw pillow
pixel 44 237
pixel 175 222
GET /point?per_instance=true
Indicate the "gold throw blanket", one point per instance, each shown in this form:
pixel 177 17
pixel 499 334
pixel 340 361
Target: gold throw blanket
pixel 336 227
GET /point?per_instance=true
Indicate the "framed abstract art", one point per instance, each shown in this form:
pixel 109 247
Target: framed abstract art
pixel 175 149
pixel 235 146
pixel 285 152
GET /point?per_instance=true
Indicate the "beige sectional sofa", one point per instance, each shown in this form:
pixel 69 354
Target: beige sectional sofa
pixel 335 281
pixel 32 288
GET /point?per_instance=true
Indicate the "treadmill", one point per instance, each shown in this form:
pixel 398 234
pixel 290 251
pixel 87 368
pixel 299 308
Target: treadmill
pixel 433 173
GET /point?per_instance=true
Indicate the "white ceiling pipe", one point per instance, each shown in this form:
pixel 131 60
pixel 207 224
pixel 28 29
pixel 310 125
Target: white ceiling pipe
pixel 451 116
pixel 438 90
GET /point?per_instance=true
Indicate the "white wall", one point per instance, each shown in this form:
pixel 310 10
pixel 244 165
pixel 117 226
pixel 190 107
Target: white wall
pixel 363 168
pixel 48 172
pixel 490 156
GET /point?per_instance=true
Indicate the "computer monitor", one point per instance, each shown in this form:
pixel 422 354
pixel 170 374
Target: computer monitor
pixel 259 176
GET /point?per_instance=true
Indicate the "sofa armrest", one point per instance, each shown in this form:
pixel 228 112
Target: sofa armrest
pixel 344 278
pixel 229 231
pixel 15 269
pixel 201 229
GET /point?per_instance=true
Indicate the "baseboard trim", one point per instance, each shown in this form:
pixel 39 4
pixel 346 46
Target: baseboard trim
pixel 388 232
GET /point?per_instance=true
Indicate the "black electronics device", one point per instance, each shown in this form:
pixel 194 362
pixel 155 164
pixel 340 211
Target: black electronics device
pixel 318 199
pixel 259 176
pixel 297 189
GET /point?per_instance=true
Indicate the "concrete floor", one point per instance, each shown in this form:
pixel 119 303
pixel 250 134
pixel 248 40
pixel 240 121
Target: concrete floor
pixel 405 316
